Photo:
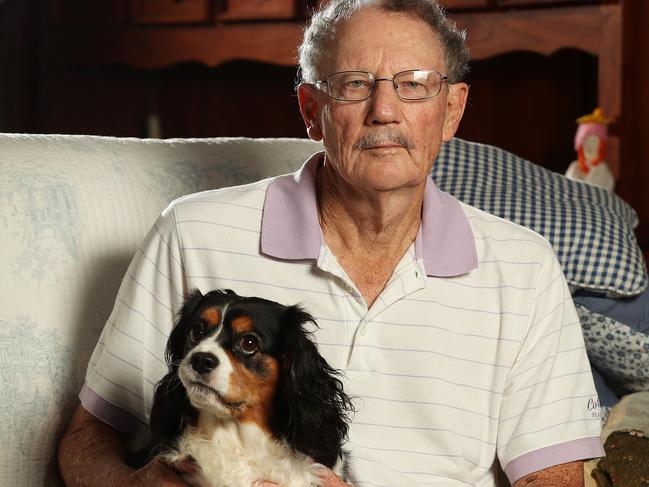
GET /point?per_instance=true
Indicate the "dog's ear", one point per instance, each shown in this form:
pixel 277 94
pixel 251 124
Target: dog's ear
pixel 176 343
pixel 170 411
pixel 170 403
pixel 311 407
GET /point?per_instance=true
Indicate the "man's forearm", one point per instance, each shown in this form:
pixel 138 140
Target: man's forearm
pixel 564 475
pixel 91 453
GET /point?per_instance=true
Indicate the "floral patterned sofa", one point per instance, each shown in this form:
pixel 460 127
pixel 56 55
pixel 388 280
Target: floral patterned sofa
pixel 73 210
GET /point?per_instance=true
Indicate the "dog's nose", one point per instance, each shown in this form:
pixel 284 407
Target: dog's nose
pixel 203 362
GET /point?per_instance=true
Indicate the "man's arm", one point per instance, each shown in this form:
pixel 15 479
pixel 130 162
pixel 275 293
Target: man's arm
pixel 91 453
pixel 564 475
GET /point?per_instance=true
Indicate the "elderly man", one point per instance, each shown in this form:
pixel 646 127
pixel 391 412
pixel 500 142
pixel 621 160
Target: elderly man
pixel 455 329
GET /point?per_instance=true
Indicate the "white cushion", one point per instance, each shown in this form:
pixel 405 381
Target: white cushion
pixel 73 210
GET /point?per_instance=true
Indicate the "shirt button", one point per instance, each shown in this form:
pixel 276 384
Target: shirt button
pixel 349 289
pixel 363 330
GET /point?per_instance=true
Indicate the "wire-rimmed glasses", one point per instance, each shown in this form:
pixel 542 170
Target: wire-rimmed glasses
pixel 413 84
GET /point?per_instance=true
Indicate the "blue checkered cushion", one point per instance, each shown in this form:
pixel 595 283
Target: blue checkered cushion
pixel 590 229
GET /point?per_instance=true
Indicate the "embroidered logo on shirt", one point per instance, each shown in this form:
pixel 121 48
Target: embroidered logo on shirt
pixel 593 407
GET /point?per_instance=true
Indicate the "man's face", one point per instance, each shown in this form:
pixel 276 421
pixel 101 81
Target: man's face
pixel 383 143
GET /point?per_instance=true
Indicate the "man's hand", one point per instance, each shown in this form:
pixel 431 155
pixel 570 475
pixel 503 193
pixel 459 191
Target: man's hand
pixel 155 474
pixel 566 475
pixel 91 453
pixel 327 479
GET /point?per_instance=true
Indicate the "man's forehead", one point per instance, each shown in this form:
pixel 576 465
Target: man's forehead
pixel 374 38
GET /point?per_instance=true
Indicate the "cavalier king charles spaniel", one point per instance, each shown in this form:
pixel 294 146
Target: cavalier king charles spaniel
pixel 247 396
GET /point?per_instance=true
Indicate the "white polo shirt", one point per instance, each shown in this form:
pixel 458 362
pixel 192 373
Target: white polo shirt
pixel 472 351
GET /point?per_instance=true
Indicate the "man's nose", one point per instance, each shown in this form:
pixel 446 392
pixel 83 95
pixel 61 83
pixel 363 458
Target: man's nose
pixel 385 104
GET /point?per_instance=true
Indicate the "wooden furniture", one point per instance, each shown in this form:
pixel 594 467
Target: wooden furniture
pixel 108 66
pixel 150 34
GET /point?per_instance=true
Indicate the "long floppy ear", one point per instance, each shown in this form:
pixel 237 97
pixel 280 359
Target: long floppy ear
pixel 170 412
pixel 170 403
pixel 311 407
pixel 176 343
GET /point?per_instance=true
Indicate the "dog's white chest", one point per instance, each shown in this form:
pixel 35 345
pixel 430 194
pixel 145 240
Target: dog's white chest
pixel 237 455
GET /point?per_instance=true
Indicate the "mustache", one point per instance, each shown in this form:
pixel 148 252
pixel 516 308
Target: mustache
pixel 387 136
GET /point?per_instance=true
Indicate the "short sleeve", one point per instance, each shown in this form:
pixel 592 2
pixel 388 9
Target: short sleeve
pixel 550 411
pixel 129 358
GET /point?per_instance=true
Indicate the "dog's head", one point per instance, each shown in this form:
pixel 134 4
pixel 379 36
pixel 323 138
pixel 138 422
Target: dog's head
pixel 251 360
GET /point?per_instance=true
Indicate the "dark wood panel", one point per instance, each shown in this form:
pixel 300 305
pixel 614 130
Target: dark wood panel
pixel 593 29
pixel 170 11
pixel 527 103
pixel 190 100
pixel 95 12
pixel 19 65
pixel 461 4
pixel 536 3
pixel 635 127
pixel 271 42
pixel 259 9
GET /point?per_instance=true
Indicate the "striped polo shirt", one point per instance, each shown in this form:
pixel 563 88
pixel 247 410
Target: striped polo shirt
pixel 472 352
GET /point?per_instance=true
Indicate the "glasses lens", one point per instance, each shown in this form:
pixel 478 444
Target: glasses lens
pixel 350 85
pixel 418 84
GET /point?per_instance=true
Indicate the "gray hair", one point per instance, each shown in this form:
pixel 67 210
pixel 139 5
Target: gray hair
pixel 322 29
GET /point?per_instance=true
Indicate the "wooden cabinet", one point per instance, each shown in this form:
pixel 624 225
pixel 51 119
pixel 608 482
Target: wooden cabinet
pixel 154 34
pixel 259 9
pixel 122 57
pixel 82 13
pixel 170 11
pixel 462 4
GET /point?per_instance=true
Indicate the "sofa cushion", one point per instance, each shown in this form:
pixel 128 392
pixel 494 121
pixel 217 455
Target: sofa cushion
pixel 73 210
pixel 619 352
pixel 590 229
pixel 633 311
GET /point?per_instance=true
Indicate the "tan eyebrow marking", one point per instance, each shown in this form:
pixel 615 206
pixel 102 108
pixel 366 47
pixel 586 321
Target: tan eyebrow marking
pixel 241 324
pixel 212 317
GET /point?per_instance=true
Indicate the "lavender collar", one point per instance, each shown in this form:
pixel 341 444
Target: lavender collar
pixel 290 228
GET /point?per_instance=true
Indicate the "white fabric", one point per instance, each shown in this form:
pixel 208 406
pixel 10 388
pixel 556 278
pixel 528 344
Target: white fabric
pixel 445 372
pixel 73 210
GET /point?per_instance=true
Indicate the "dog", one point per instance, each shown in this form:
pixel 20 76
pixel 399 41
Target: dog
pixel 247 396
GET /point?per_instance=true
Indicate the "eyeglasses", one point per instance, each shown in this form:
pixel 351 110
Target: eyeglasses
pixel 414 84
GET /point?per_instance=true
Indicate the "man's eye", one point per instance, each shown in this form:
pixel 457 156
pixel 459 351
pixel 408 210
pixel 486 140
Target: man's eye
pixel 356 83
pixel 249 344
pixel 197 332
pixel 411 85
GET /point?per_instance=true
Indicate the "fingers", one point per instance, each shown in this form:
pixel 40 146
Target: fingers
pixel 328 478
pixel 187 465
pixel 157 473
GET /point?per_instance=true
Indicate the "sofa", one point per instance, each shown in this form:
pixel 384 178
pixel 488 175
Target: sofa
pixel 73 210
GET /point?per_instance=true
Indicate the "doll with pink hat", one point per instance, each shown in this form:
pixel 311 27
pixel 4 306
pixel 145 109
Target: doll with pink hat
pixel 590 144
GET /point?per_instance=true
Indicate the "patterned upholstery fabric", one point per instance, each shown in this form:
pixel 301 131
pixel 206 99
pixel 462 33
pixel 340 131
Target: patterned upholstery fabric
pixel 73 210
pixel 590 229
pixel 619 351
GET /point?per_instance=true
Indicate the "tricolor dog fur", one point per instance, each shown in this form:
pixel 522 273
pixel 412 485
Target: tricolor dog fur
pixel 247 396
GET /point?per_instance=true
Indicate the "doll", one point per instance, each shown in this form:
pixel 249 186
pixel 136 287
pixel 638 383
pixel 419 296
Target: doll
pixel 590 144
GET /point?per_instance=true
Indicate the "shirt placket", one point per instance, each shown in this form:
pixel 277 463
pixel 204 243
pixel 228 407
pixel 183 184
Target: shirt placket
pixel 408 277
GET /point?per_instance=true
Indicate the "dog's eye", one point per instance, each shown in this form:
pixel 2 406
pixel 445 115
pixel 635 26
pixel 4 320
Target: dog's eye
pixel 196 332
pixel 249 344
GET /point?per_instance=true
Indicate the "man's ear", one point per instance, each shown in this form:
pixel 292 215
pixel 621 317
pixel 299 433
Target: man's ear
pixel 455 104
pixel 307 97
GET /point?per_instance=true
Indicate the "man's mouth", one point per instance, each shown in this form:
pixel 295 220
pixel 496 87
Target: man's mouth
pixel 385 146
